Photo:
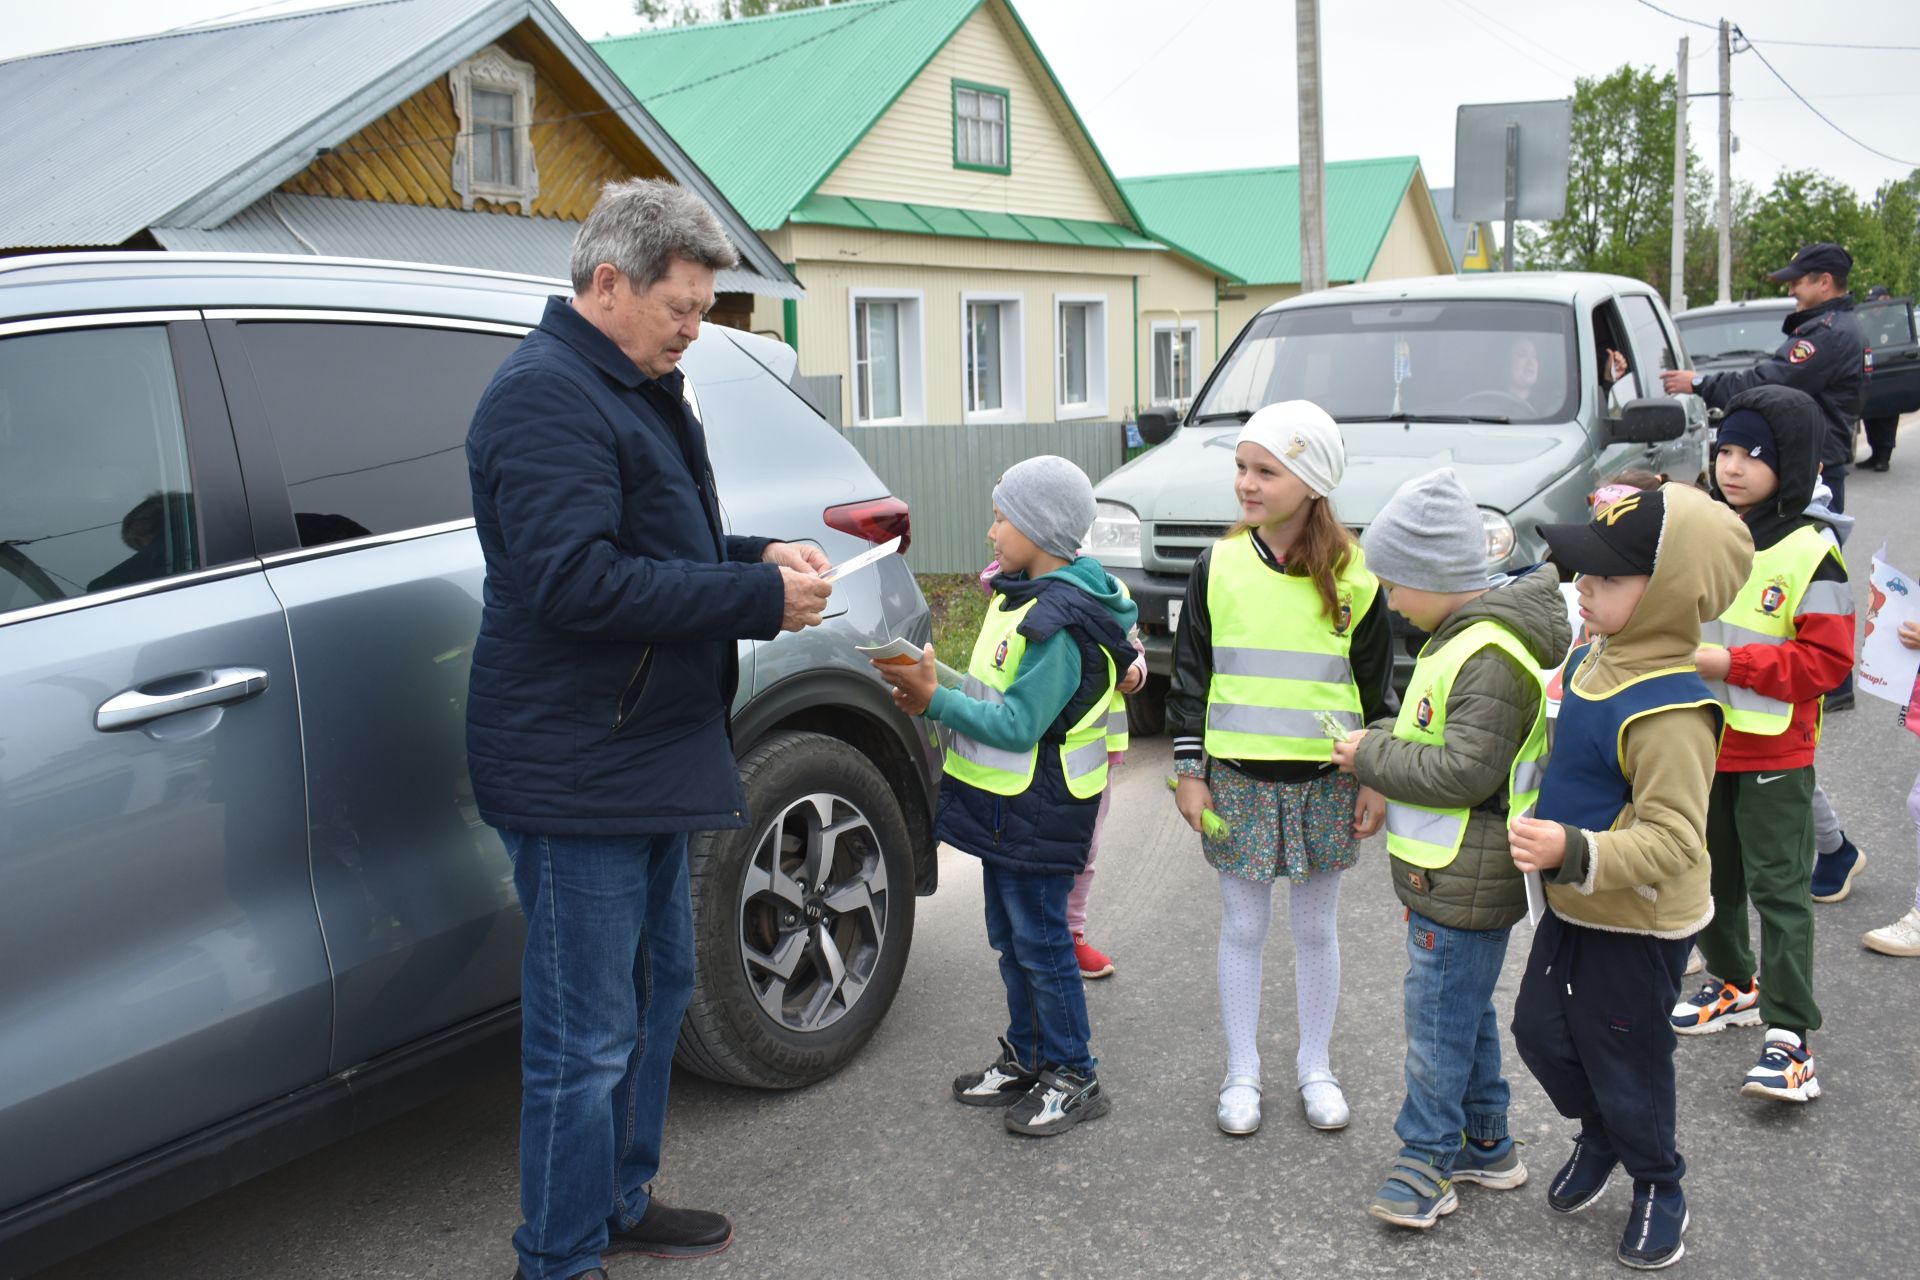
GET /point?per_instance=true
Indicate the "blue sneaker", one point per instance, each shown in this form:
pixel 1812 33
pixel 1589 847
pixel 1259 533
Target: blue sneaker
pixel 1415 1195
pixel 1659 1218
pixel 1833 873
pixel 1584 1176
pixel 1496 1167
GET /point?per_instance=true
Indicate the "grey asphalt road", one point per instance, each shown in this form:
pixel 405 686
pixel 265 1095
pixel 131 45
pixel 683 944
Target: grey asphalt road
pixel 877 1173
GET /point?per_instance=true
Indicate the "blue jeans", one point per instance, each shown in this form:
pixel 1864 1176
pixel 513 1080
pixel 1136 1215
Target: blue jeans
pixel 1046 1003
pixel 604 982
pixel 1453 1041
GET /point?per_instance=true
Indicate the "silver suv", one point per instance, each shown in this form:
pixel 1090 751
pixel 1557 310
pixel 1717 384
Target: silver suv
pixel 247 902
pixel 1499 376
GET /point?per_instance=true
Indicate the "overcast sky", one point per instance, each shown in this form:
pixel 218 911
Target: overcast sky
pixel 1209 84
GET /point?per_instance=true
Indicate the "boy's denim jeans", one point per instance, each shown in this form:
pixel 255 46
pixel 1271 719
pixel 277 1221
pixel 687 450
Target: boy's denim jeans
pixel 1453 1041
pixel 604 982
pixel 1046 1003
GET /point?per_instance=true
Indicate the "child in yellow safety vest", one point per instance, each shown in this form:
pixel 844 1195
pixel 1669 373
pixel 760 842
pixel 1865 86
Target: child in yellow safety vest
pixel 1282 632
pixel 1464 755
pixel 1024 774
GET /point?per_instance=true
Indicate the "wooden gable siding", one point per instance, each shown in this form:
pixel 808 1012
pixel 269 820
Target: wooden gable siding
pixel 908 154
pixel 1415 243
pixel 406 156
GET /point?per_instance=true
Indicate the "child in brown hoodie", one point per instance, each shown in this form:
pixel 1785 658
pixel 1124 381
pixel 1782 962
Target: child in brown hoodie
pixel 1620 836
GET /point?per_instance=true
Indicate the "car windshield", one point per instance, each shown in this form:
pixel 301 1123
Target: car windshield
pixel 1465 360
pixel 1735 333
pixel 1887 324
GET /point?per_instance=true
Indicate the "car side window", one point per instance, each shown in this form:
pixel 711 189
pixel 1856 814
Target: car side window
pixel 1651 344
pixel 371 420
pixel 95 489
pixel 1610 334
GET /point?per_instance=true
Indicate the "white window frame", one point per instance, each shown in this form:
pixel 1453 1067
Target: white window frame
pixel 1159 396
pixel 1473 240
pixel 913 357
pixel 1013 347
pixel 491 68
pixel 1095 405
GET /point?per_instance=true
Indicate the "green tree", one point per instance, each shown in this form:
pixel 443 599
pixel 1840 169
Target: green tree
pixel 687 13
pixel 1803 207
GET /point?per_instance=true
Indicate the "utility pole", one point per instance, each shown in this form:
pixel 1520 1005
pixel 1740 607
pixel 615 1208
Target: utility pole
pixel 1677 288
pixel 1726 161
pixel 1313 170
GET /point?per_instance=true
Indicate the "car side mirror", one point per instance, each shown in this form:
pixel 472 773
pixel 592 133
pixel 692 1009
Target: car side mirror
pixel 1157 424
pixel 1648 421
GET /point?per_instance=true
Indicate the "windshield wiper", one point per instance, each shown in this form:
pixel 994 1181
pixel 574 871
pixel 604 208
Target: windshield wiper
pixel 1425 417
pixel 1238 415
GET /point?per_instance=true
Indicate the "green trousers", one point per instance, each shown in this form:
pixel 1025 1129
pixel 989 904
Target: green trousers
pixel 1760 840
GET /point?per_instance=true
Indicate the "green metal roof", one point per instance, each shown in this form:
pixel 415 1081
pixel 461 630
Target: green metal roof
pixel 978 224
pixel 767 107
pixel 1248 220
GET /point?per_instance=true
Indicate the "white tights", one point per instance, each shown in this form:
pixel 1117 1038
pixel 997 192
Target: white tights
pixel 1246 908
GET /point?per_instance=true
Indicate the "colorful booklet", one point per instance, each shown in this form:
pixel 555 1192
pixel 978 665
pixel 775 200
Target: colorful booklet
pixel 904 653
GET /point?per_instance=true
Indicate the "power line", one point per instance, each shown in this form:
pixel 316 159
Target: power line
pixel 1802 44
pixel 1809 106
pixel 1577 70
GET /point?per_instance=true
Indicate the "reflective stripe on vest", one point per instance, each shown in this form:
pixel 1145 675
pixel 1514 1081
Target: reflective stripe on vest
pixel 996 661
pixel 1779 589
pixel 1277 658
pixel 1430 837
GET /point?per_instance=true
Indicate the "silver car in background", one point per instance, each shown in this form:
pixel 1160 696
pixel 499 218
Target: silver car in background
pixel 247 903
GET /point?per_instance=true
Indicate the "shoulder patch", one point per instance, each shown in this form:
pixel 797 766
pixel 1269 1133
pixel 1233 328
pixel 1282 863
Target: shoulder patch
pixel 1801 352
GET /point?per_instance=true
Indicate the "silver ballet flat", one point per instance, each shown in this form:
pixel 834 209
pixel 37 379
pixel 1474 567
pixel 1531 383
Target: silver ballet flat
pixel 1238 1119
pixel 1327 1113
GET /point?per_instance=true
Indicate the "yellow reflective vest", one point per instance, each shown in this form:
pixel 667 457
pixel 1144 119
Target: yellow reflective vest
pixel 1429 837
pixel 1780 588
pixel 996 660
pixel 1277 658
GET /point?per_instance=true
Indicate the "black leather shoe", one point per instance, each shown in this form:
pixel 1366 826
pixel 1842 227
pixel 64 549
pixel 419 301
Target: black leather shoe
pixel 1881 465
pixel 665 1232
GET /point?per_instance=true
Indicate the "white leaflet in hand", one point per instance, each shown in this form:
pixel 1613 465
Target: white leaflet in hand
pixel 1887 667
pixel 861 561
pixel 1536 898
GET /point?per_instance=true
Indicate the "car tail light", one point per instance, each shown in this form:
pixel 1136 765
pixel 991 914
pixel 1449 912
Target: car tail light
pixel 876 520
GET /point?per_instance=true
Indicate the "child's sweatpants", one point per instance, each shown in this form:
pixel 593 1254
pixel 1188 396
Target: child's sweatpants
pixel 1591 1023
pixel 1760 838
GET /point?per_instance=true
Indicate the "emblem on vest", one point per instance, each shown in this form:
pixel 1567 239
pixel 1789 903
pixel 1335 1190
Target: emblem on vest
pixel 1343 616
pixel 1000 657
pixel 1423 713
pixel 1773 597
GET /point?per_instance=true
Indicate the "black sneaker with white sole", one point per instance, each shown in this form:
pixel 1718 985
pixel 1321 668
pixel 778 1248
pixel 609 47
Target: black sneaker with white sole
pixel 998 1085
pixel 1059 1100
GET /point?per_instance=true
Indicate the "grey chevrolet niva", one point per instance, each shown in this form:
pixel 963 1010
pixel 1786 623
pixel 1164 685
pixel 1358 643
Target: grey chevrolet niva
pixel 247 903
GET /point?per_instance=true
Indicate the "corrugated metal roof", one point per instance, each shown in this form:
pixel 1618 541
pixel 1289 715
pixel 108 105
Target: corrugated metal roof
pixel 281 223
pixel 189 129
pixel 1248 220
pixel 768 106
pixel 931 220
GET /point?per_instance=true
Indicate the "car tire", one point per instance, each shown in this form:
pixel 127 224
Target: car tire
pixel 1147 708
pixel 842 940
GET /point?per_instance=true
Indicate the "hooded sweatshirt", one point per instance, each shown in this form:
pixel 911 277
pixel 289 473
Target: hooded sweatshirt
pixel 1820 654
pixel 1648 872
pixel 1490 711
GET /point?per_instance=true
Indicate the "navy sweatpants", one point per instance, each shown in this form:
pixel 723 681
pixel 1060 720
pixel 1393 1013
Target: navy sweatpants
pixel 1591 1024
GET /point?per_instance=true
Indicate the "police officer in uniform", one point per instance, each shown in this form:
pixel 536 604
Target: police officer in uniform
pixel 1824 355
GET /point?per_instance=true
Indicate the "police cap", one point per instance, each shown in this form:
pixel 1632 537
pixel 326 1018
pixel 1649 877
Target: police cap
pixel 1816 257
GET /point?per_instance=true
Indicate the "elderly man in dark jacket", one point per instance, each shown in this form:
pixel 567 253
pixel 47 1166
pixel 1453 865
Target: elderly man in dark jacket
pixel 597 731
pixel 1824 355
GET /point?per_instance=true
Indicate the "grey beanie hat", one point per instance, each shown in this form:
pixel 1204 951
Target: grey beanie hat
pixel 1429 536
pixel 1048 499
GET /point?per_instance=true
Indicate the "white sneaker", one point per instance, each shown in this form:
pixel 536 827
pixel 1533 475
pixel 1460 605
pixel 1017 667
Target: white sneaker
pixel 1901 938
pixel 1326 1105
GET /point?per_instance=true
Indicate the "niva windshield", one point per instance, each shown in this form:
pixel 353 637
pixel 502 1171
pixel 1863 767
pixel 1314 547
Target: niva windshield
pixel 1472 360
pixel 1745 334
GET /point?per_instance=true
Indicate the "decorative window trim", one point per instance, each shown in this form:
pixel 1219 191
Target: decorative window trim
pixel 1162 396
pixel 1013 348
pixel 1006 125
pixel 913 360
pixel 492 68
pixel 1095 405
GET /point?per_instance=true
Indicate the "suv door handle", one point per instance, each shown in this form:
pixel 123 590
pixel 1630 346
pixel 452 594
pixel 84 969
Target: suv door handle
pixel 222 684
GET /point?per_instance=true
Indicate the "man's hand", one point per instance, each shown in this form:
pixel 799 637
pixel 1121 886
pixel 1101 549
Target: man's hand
pixel 1538 845
pixel 1344 752
pixel 1713 661
pixel 796 556
pixel 1369 811
pixel 807 594
pixel 913 685
pixel 1677 381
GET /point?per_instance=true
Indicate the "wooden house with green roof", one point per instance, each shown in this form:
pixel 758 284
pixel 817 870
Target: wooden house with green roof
pixel 968 256
pixel 1382 224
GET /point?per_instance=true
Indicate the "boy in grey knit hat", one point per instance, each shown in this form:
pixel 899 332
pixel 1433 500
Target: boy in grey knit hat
pixel 1462 758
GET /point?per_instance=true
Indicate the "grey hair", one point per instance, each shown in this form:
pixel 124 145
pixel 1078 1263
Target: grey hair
pixel 641 226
